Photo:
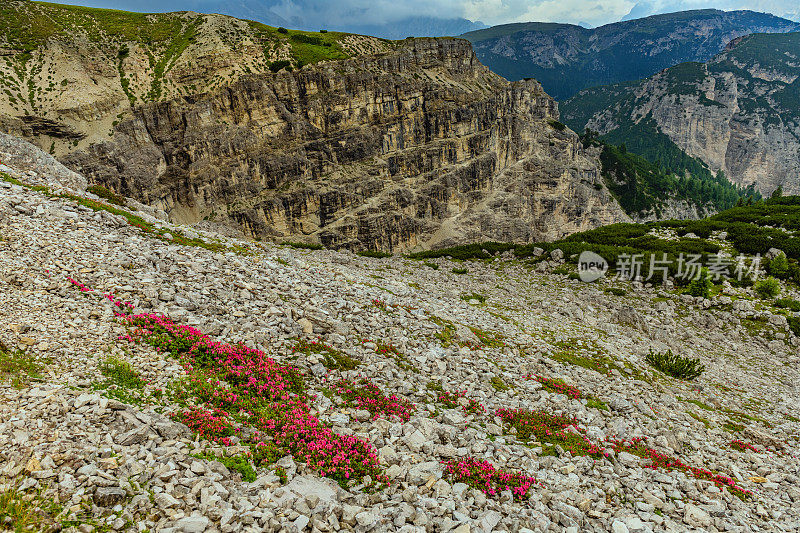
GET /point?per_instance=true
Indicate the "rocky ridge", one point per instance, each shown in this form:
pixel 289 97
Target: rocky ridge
pixel 566 58
pixel 736 113
pixel 128 465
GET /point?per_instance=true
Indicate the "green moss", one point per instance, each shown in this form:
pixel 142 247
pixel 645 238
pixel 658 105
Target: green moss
pixel 332 358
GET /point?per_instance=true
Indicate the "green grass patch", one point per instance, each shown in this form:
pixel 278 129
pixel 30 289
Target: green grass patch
pixel 18 366
pixel 594 403
pixel 303 245
pixel 332 358
pixel 28 511
pixel 105 194
pixel 474 296
pixel 122 382
pixel 236 463
pixel 498 384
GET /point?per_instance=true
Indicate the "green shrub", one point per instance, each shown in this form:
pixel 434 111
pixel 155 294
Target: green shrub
pixel 282 30
pixel 374 253
pixel 701 286
pixel 794 325
pixel 431 265
pixel 787 303
pixel 768 288
pixel 275 66
pixel 779 266
pixel 105 194
pixel 675 365
pixel 459 271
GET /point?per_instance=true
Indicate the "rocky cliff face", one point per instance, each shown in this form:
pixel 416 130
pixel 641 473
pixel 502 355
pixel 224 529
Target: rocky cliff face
pixel 738 113
pixel 403 145
pixel 418 147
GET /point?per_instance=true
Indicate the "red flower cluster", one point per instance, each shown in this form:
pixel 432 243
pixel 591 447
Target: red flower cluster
pixel 264 394
pixel 557 386
pixel 483 476
pixel 474 407
pixel 383 306
pixel 213 425
pixel 366 395
pixel 638 447
pixel 450 399
pixel 742 446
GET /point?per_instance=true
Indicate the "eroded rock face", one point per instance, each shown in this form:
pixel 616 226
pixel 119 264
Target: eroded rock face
pixel 737 113
pixel 417 147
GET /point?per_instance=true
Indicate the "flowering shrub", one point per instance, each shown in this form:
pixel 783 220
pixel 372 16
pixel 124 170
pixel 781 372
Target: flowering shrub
pixel 245 386
pixel 550 429
pixel 557 386
pixel 212 425
pixel 742 446
pixel 366 395
pixel 383 306
pixel 474 407
pixel 638 448
pixel 483 476
pixel 450 399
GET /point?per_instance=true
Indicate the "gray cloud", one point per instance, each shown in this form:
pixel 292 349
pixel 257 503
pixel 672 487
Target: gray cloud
pixel 340 13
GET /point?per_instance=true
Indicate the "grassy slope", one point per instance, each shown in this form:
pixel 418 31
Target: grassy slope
pixel 164 36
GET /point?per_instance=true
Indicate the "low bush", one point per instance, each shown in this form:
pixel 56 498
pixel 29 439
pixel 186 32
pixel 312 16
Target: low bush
pixel 700 287
pixel 675 365
pixel 275 66
pixel 787 303
pixel 779 266
pixel 483 476
pixel 237 463
pixel 374 253
pixel 768 288
pixel 303 245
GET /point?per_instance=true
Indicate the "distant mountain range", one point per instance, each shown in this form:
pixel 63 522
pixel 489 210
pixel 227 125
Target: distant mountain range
pixel 567 58
pixel 738 112
pixel 305 15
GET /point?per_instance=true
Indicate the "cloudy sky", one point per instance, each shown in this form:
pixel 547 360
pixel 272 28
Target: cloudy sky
pixel 320 12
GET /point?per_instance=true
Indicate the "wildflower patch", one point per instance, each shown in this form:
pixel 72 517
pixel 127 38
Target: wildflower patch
pixel 556 430
pixel 742 446
pixel 365 395
pixel 483 476
pixel 255 390
pixel 638 447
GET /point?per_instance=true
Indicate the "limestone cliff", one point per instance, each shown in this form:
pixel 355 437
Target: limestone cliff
pixel 739 112
pixel 403 145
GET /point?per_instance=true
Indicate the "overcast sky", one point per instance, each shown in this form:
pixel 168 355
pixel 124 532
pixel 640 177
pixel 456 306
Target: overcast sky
pixel 593 12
